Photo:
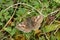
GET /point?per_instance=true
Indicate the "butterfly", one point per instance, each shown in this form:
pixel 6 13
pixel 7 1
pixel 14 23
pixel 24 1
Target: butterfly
pixel 30 23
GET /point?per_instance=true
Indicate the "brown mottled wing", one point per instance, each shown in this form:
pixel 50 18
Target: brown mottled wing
pixel 37 22
pixel 30 23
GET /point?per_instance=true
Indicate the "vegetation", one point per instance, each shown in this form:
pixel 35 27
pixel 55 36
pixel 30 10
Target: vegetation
pixel 13 12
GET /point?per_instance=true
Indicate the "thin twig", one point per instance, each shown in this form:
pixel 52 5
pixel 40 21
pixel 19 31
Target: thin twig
pixel 46 36
pixel 42 6
pixel 56 29
pixel 57 21
pixel 8 21
pixel 54 12
pixel 26 5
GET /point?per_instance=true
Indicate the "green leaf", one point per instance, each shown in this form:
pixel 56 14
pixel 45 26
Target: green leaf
pixel 41 38
pixel 21 12
pixel 1 23
pixel 52 37
pixel 13 31
pixel 58 1
pixel 50 28
pixel 46 3
pixel 10 30
pixel 36 4
pixel 24 1
pixel 1 35
pixel 58 35
pixel 53 4
pixel 6 15
pixel 46 11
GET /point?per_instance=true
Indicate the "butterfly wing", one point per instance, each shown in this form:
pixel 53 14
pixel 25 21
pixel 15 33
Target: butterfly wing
pixel 30 23
pixel 37 22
